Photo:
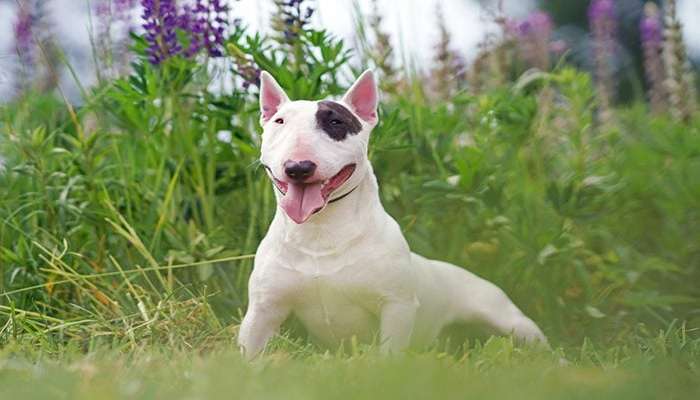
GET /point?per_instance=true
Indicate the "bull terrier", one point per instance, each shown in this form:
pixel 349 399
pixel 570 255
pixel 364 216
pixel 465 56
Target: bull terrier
pixel 333 257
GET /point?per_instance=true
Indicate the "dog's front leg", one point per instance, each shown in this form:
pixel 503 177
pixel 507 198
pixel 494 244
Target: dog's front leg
pixel 396 326
pixel 261 322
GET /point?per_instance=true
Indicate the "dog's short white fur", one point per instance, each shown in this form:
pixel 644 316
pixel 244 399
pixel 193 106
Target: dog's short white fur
pixel 344 268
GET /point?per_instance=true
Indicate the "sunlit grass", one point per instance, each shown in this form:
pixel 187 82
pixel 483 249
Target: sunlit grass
pixel 652 368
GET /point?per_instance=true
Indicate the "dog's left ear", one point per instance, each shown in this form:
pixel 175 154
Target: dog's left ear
pixel 362 97
pixel 272 97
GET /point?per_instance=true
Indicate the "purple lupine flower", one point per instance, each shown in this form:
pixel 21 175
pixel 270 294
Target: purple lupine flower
pixel 160 20
pixel 123 6
pixel 206 23
pixel 250 74
pixel 112 34
pixel 558 47
pixel 245 67
pixel 103 10
pixel 102 40
pixel 510 25
pixel 108 11
pixel 601 16
pixel 601 9
pixel 651 30
pixel 215 28
pixel 117 10
pixel 32 31
pixel 291 19
pixel 23 34
pixel 650 26
pixel 534 34
pixel 123 13
pixel 187 21
pixel 537 22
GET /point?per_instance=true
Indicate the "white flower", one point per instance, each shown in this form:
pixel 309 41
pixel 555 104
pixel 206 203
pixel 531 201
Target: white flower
pixel 224 136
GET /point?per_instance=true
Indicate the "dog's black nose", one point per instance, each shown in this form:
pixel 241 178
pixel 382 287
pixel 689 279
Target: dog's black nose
pixel 299 170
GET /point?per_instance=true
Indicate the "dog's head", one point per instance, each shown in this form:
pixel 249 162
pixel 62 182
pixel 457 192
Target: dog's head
pixel 315 151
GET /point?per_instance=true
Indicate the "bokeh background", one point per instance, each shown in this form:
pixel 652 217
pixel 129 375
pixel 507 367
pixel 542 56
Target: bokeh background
pixel 411 25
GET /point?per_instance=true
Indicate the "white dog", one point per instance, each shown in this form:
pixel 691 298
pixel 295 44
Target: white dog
pixel 333 257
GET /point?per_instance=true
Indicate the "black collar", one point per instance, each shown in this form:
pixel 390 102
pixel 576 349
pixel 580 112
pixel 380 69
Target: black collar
pixel 343 196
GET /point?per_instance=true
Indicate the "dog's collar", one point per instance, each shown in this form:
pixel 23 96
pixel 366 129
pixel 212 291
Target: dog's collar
pixel 342 196
pixel 329 201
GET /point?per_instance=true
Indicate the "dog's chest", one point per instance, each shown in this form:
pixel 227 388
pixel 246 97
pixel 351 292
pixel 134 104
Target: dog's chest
pixel 337 289
pixel 335 307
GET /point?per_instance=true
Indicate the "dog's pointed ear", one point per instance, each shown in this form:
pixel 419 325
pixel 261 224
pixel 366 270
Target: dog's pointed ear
pixel 363 97
pixel 271 97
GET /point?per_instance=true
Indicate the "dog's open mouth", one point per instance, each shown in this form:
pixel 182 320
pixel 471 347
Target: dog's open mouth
pixel 301 200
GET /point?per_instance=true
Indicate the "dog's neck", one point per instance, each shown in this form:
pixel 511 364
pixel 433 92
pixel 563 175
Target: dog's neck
pixel 340 223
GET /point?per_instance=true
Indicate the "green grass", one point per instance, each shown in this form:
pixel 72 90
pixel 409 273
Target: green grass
pixel 666 366
pixel 127 230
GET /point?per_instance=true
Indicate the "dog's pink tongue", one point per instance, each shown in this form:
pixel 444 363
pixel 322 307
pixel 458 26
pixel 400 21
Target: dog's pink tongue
pixel 302 200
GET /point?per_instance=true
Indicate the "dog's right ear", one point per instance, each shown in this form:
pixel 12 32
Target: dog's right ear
pixel 363 97
pixel 271 97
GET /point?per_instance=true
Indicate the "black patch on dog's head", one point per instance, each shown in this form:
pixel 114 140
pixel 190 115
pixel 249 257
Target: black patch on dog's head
pixel 336 120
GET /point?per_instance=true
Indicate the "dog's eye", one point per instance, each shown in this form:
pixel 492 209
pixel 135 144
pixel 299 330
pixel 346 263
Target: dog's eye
pixel 279 121
pixel 336 122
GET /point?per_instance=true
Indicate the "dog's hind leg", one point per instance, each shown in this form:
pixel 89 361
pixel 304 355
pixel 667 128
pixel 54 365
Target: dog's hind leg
pixel 487 304
pixel 477 300
pixel 492 308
